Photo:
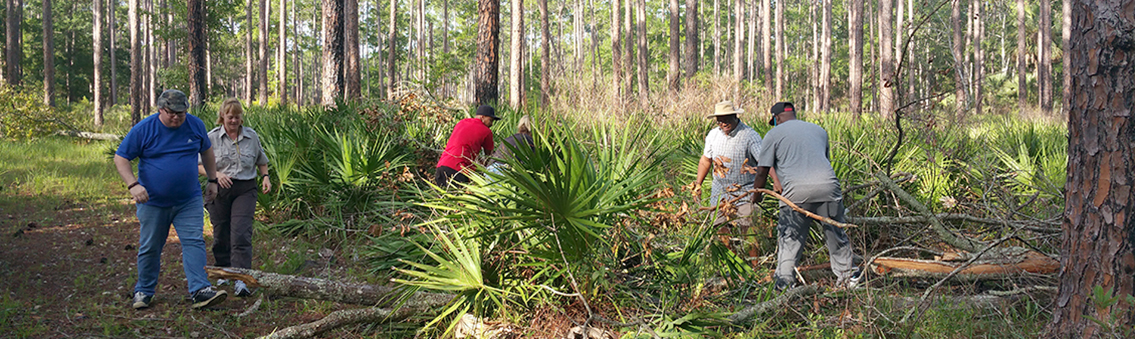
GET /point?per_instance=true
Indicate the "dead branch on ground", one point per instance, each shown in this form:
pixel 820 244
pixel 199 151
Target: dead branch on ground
pixel 321 289
pixel 339 319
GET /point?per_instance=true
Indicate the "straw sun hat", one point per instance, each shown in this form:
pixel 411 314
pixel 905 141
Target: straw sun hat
pixel 725 108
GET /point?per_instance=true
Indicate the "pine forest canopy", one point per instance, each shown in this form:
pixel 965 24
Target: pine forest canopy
pixel 929 50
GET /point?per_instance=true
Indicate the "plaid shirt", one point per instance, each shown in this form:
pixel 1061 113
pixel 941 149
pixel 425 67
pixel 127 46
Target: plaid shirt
pixel 729 153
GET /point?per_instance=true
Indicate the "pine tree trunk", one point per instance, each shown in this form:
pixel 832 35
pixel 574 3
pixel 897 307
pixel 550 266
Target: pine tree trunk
pixel 886 59
pixel 692 29
pixel 545 55
pixel 13 53
pixel 332 73
pixel 48 56
pixel 150 83
pixel 738 48
pixel 826 59
pixel 1066 32
pixel 616 52
pixel 978 56
pixel 674 69
pixel 1022 86
pixel 629 60
pixel 249 71
pixel 813 94
pixel 197 61
pixel 297 56
pixel 97 80
pixel 1098 242
pixel 135 65
pixel 516 55
pixel 486 68
pixel 958 52
pixel 112 21
pixel 392 45
pixel 716 38
pixel 262 73
pixel 281 57
pixel 1044 56
pixel 766 42
pixel 779 51
pixel 855 56
pixel 643 53
pixel 352 77
pixel 752 18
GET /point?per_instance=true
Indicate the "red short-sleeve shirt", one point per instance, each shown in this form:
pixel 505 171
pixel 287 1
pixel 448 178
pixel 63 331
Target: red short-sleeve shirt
pixel 469 137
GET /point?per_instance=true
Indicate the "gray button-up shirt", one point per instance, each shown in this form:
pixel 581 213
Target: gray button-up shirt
pixel 739 149
pixel 237 159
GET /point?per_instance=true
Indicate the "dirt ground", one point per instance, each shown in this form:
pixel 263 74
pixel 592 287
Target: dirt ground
pixel 67 269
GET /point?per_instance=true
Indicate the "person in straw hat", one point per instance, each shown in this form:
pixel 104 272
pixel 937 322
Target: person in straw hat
pixel 731 151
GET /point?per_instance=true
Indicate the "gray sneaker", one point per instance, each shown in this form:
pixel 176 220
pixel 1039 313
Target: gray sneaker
pixel 222 282
pixel 241 290
pixel 206 297
pixel 141 300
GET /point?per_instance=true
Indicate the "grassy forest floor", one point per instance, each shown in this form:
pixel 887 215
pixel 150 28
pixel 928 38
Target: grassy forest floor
pixel 68 248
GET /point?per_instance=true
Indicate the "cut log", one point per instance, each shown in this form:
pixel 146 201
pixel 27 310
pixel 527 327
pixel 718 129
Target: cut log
pixel 1030 262
pixel 339 319
pixel 281 285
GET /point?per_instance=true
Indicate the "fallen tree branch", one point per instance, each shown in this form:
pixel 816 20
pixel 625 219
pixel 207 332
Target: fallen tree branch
pixel 321 289
pixel 805 212
pixel 1023 290
pixel 339 319
pixel 1025 225
pixel 930 290
pixel 1034 263
pixel 962 242
pixel 745 315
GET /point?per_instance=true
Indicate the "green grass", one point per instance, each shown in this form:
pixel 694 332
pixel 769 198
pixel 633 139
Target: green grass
pixel 59 168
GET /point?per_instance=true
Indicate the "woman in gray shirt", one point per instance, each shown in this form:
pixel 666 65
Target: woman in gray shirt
pixel 239 158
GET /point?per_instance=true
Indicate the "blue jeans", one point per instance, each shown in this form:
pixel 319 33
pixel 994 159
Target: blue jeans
pixel 189 221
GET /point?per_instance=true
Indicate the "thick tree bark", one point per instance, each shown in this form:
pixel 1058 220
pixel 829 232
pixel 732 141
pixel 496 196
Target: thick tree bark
pixel 332 72
pixel 887 58
pixel 13 53
pixel 545 55
pixel 978 56
pixel 826 59
pixel 958 51
pixel 352 78
pixel 97 79
pixel 197 61
pixel 1022 86
pixel 249 71
pixel 674 69
pixel 616 53
pixel 48 56
pixel 486 66
pixel 779 52
pixel 855 56
pixel 135 65
pixel 392 45
pixel 1098 243
pixel 516 55
pixel 262 73
pixel 692 30
pixel 281 56
pixel 1044 56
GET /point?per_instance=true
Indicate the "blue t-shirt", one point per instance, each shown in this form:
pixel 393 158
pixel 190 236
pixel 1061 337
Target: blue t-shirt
pixel 168 158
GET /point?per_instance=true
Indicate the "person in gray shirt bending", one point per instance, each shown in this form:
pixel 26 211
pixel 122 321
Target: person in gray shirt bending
pixel 798 152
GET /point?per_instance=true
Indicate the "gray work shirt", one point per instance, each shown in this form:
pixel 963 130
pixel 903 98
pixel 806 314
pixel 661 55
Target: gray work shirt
pixel 237 159
pixel 798 151
pixel 740 148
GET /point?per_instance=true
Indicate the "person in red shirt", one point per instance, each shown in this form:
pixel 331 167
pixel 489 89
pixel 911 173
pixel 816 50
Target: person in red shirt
pixel 469 138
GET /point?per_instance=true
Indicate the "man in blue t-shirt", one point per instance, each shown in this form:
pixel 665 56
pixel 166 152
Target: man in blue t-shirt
pixel 167 192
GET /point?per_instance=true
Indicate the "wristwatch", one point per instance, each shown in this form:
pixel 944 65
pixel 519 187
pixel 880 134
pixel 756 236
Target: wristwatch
pixel 265 175
pixel 212 181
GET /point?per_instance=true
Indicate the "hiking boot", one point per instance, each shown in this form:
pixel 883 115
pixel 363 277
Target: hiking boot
pixel 206 297
pixel 241 290
pixel 141 300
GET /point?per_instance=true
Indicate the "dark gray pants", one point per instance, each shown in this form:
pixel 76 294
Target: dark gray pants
pixel 231 214
pixel 792 230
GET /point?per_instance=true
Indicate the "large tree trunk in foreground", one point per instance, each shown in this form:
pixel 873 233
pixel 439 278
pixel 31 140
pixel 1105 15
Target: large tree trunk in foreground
pixel 1098 247
pixel 197 62
pixel 486 65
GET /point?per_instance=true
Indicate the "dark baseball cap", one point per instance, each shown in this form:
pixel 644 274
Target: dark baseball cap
pixel 488 111
pixel 781 107
pixel 174 100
